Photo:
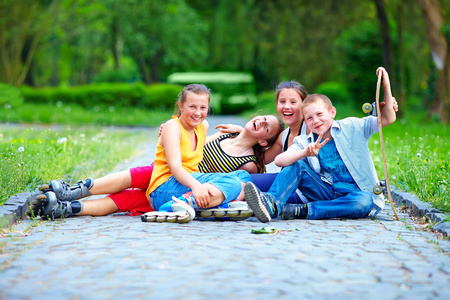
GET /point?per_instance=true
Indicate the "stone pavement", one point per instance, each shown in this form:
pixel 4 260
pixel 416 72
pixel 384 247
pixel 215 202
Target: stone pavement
pixel 118 256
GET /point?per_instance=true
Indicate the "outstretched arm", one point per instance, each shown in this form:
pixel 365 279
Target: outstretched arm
pixel 387 111
pixel 292 155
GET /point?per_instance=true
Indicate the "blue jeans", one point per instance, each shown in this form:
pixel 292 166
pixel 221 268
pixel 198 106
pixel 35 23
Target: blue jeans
pixel 265 180
pixel 326 201
pixel 228 183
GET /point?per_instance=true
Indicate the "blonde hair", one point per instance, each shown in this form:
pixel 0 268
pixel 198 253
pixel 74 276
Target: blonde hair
pixel 195 88
pixel 313 98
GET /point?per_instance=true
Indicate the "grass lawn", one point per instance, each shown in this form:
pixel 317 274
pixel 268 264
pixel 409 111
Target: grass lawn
pixel 32 156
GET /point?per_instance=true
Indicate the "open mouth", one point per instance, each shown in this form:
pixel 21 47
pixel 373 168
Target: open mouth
pixel 254 126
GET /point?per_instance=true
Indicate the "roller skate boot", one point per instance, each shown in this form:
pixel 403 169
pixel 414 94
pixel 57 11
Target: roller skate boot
pixel 64 191
pixel 174 211
pixel 294 211
pixel 262 204
pixel 233 211
pixel 47 206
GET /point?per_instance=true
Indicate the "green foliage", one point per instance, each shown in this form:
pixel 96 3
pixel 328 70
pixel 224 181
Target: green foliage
pixel 361 45
pixel 31 157
pixel 417 160
pixel 10 96
pixel 158 96
pixel 336 91
pixel 77 115
pixel 161 96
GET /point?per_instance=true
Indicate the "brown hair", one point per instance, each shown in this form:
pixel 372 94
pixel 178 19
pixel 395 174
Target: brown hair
pixel 300 89
pixel 260 151
pixel 195 88
pixel 313 98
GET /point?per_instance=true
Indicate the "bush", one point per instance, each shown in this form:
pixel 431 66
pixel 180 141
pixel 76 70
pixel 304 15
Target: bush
pixel 10 96
pixel 336 91
pixel 266 99
pixel 156 96
pixel 161 96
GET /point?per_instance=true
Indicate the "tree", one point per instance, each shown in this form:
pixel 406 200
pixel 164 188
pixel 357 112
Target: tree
pixel 22 26
pixel 438 38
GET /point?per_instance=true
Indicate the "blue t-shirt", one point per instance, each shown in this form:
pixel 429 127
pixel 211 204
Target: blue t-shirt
pixel 331 162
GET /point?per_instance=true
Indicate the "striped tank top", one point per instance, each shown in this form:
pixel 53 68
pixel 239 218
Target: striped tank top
pixel 215 160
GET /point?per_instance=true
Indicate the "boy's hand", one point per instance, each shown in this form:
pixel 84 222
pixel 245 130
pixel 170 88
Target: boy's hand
pixel 314 147
pixel 395 105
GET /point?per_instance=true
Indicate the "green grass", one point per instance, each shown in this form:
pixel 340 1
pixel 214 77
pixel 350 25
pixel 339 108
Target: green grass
pixel 78 115
pixel 30 157
pixel 418 160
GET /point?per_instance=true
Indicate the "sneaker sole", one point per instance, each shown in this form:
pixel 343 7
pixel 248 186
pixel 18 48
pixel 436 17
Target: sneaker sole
pixel 254 201
pixel 164 216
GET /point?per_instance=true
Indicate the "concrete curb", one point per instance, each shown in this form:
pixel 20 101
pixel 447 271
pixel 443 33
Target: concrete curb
pixel 17 206
pixel 423 209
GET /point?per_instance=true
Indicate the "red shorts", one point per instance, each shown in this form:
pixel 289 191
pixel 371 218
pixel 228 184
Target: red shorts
pixel 133 200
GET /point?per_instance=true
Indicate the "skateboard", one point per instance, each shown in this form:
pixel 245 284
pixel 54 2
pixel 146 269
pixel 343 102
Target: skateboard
pixel 382 186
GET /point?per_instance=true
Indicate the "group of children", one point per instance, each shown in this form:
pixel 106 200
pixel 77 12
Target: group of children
pixel 327 169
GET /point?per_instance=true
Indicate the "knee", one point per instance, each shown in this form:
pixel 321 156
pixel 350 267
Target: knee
pixel 365 202
pixel 243 175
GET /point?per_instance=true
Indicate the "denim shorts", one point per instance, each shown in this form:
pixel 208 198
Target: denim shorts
pixel 228 183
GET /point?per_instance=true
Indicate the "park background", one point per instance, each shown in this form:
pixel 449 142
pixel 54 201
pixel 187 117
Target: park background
pixel 69 68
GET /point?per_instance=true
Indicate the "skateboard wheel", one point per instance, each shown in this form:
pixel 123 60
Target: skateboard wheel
pixel 44 188
pixel 367 108
pixel 377 190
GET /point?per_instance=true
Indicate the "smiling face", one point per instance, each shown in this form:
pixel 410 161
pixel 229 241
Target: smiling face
pixel 289 106
pixel 194 109
pixel 263 127
pixel 319 117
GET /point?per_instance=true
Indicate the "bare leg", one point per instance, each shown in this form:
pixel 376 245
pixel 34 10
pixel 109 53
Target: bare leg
pixel 219 197
pixel 112 183
pixel 99 207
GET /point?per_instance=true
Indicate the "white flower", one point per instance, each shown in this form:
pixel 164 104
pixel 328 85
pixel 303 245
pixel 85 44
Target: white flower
pixel 21 149
pixel 419 155
pixel 7 106
pixel 62 140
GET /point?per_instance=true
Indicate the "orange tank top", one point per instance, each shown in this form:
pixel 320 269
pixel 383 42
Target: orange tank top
pixel 189 159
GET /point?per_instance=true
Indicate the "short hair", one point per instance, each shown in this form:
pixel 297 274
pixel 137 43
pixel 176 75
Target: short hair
pixel 313 98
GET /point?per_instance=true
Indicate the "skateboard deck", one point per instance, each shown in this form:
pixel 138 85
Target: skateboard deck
pixel 384 184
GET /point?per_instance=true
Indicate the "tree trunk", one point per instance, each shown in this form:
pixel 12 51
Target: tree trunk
pixel 384 28
pixel 434 20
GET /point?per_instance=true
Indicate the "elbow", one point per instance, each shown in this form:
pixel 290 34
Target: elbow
pixel 279 163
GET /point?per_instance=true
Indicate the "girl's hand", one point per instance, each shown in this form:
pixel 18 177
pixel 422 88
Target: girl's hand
pixel 229 128
pixel 202 195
